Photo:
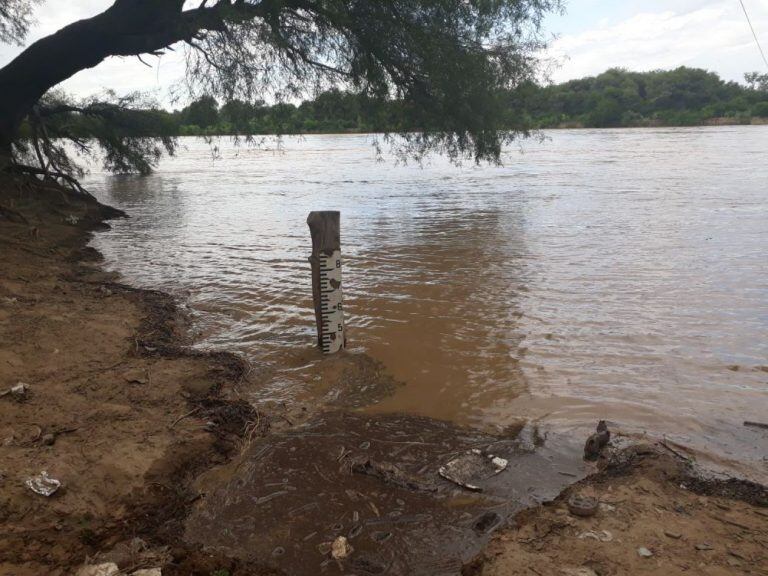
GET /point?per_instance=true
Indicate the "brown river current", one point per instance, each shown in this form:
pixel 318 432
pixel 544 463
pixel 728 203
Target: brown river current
pixel 616 274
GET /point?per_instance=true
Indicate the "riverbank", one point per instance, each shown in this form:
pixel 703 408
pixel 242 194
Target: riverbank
pixel 151 442
pixel 658 514
pixel 655 123
pixel 568 125
pixel 114 406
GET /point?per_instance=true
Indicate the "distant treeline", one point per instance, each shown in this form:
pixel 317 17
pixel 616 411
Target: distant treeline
pixel 681 97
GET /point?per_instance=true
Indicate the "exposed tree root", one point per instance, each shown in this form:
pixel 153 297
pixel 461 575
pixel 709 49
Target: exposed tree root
pixel 48 175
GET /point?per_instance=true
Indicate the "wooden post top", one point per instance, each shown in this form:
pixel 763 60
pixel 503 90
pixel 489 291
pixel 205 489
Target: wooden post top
pixel 325 228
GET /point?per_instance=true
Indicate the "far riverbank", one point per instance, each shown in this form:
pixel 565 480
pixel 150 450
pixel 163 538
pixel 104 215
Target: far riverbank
pixel 571 125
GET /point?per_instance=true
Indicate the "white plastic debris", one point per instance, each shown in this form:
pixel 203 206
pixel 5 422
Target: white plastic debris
pixel 20 390
pixel 583 571
pixel 473 466
pixel 43 484
pixel 106 569
pixel 72 219
pixel 148 572
pixel 600 536
pixel 644 552
pixel 341 548
pixel 500 463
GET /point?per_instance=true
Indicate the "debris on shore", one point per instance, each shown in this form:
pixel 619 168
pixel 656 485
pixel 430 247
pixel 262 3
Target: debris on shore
pixel 597 441
pixel 88 385
pixel 658 515
pixel 375 480
pixel 468 470
pixel 43 484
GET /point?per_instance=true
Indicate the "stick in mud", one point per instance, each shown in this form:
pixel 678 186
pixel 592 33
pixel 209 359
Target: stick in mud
pixel 756 425
pixel 324 228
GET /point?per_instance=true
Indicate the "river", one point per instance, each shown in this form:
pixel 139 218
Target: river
pixel 614 274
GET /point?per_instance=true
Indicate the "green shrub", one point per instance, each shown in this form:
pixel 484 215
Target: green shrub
pixel 760 109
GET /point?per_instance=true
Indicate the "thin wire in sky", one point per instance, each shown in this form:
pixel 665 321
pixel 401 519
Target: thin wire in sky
pixel 749 21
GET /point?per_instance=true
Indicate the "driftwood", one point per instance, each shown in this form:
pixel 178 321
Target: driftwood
pixel 390 474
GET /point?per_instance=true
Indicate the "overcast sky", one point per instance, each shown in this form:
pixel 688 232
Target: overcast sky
pixel 590 37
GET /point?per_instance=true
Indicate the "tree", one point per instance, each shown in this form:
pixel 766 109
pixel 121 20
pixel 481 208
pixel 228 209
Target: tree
pixel 607 113
pixel 618 97
pixel 15 19
pixel 448 60
pixel 238 114
pixel 129 131
pixel 203 112
pixel 760 109
pixel 757 81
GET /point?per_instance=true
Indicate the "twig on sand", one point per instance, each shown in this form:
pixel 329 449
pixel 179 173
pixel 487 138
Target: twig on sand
pixel 756 424
pixel 551 528
pixel 323 476
pixel 675 452
pixel 180 418
pixel 38 435
pixel 343 454
pixel 732 523
pixel 250 429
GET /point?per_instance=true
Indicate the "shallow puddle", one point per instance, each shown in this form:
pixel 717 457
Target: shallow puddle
pixel 375 481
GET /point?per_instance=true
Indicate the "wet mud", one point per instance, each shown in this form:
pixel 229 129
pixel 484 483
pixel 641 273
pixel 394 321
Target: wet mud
pixel 374 480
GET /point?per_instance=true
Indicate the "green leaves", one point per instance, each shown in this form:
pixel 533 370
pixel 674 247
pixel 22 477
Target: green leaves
pixel 438 70
pixel 447 61
pixel 128 133
pixel 15 20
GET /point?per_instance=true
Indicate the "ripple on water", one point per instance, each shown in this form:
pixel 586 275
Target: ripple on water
pixel 622 269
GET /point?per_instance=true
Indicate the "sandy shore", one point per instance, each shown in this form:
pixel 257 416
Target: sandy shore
pixel 109 382
pixel 657 515
pixel 140 430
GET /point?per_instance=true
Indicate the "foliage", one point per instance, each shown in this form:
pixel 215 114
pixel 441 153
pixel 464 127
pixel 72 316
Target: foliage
pixel 449 60
pixel 202 112
pixel 129 133
pixel 682 97
pixel 757 81
pixel 444 65
pixel 760 109
pixel 15 19
pixel 452 76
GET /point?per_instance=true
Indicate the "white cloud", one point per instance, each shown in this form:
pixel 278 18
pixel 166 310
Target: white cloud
pixel 714 36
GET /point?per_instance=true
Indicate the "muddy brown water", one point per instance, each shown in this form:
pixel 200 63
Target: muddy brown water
pixel 615 274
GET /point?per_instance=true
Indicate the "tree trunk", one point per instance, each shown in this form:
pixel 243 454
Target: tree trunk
pixel 128 27
pixel 44 64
